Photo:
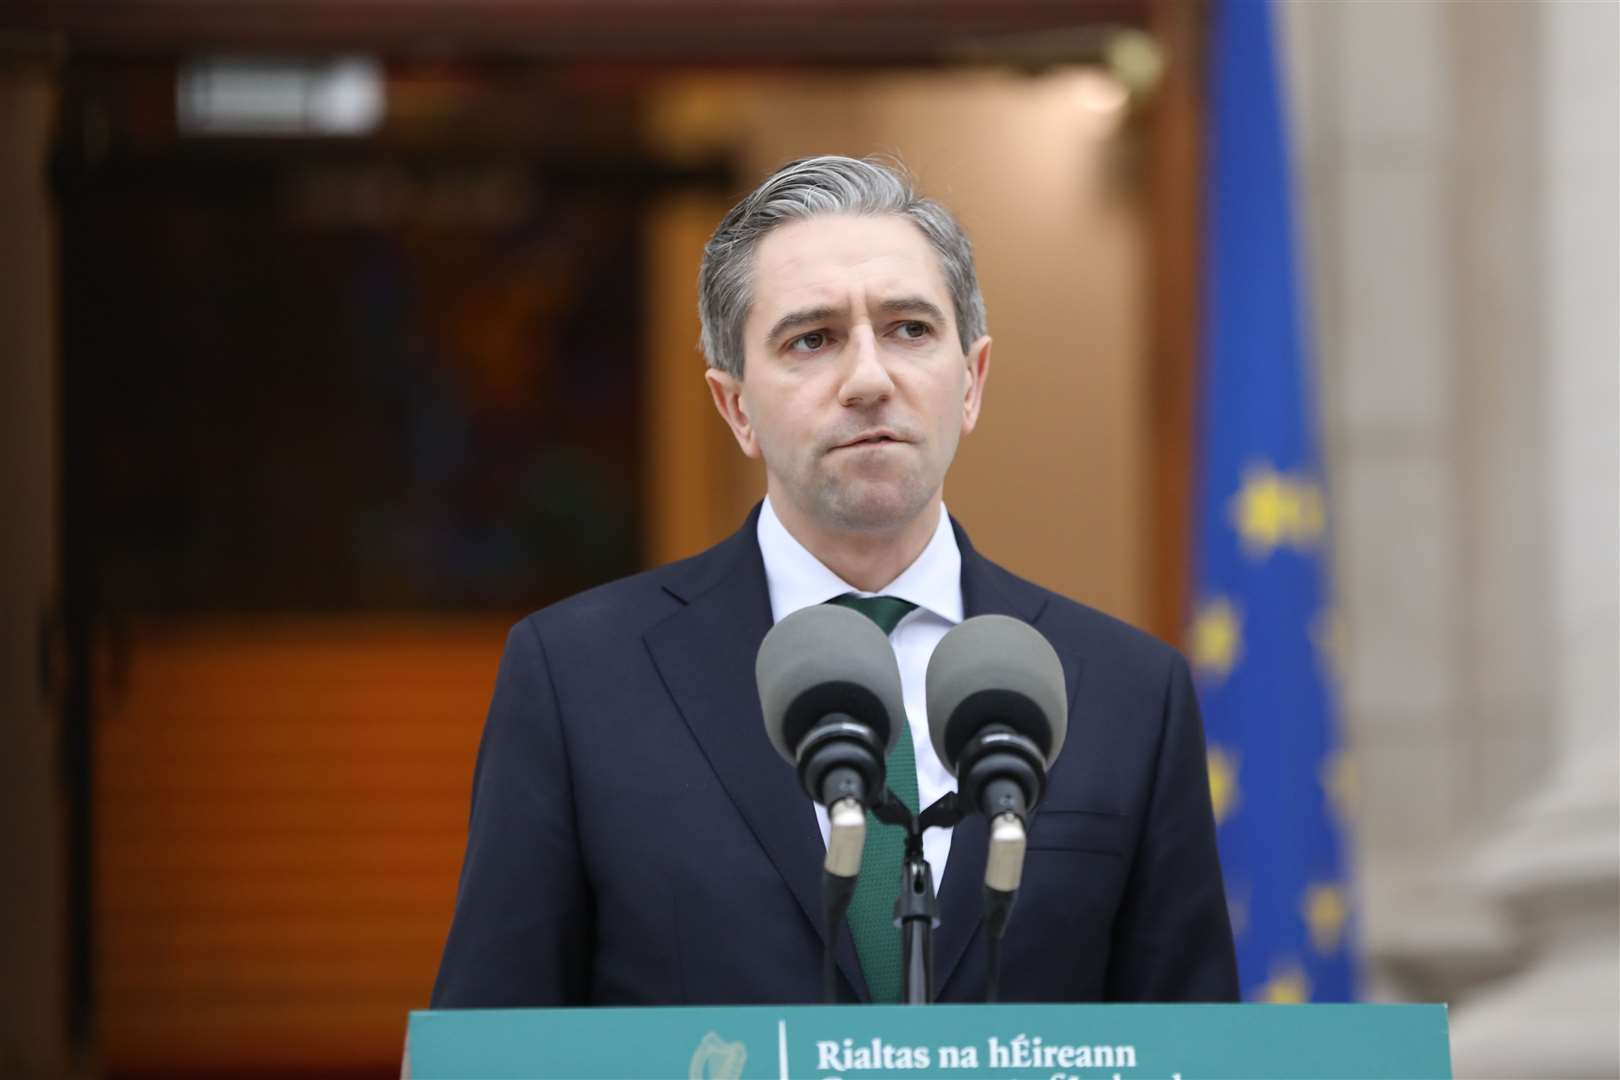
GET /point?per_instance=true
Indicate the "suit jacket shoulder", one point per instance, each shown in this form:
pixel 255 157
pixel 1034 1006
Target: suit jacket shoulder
pixel 1087 639
pixel 628 607
pixel 1107 636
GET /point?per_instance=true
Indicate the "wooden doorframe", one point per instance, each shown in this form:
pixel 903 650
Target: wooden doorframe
pixel 846 32
pixel 33 817
pixel 1175 309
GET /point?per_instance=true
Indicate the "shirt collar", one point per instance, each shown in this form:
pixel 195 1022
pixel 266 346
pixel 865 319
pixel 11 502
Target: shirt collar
pixel 797 579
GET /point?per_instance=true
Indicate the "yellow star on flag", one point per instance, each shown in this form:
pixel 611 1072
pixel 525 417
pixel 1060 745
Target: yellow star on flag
pixel 1223 786
pixel 1287 986
pixel 1273 509
pixel 1325 911
pixel 1216 638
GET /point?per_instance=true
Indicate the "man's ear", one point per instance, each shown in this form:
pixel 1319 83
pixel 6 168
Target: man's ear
pixel 726 389
pixel 978 372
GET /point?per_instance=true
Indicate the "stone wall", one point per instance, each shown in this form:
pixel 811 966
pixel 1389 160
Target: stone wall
pixel 1457 165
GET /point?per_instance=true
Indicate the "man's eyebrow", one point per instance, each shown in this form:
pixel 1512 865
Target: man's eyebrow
pixel 797 318
pixel 912 305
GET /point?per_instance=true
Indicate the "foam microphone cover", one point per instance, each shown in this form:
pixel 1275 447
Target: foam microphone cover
pixel 822 660
pixel 993 669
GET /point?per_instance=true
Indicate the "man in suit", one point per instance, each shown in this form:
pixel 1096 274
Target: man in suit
pixel 634 838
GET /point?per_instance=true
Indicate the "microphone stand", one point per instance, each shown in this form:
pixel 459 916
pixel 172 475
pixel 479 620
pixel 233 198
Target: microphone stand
pixel 916 910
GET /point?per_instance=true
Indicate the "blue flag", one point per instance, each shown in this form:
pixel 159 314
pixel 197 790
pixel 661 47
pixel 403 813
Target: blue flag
pixel 1263 635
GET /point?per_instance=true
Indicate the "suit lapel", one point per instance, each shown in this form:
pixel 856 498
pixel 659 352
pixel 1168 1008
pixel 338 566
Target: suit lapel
pixel 705 653
pixel 986 590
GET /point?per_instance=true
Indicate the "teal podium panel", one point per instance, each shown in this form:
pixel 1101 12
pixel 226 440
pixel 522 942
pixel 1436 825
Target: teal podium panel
pixel 882 1042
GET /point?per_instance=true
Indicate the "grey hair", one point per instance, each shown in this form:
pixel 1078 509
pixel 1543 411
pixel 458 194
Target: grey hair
pixel 802 189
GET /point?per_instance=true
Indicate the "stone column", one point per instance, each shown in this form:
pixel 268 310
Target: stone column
pixel 1458 168
pixel 1555 866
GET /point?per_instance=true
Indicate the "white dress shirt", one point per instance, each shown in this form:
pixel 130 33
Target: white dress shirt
pixel 797 579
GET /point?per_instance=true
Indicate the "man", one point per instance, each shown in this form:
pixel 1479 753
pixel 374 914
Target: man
pixel 635 839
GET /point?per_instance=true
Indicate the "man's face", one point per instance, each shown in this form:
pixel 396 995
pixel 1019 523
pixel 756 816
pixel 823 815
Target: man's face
pixel 855 389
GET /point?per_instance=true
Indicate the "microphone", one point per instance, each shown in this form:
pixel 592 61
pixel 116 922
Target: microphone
pixel 829 687
pixel 997 716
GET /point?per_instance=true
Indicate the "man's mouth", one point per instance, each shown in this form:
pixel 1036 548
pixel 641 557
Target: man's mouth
pixel 871 438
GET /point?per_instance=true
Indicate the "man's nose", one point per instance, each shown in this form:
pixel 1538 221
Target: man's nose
pixel 866 381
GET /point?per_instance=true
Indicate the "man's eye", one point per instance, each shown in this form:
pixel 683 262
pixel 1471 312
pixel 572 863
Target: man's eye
pixel 914 331
pixel 814 341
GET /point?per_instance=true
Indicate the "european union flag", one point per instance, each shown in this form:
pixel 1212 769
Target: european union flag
pixel 1263 635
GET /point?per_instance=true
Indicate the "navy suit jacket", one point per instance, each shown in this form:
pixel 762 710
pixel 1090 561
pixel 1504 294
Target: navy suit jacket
pixel 634 838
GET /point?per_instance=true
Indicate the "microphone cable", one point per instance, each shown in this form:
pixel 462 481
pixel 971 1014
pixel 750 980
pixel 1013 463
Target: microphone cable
pixel 1004 871
pixel 846 842
pixel 836 894
pixel 997 910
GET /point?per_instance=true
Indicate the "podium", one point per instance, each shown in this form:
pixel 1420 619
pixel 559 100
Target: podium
pixel 879 1042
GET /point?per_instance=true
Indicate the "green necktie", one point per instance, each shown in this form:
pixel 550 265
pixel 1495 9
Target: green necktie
pixel 871 912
